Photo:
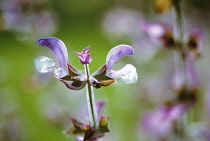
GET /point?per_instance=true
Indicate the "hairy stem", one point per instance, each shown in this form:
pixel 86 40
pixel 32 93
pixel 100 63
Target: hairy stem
pixel 90 99
pixel 179 21
pixel 179 24
pixel 182 60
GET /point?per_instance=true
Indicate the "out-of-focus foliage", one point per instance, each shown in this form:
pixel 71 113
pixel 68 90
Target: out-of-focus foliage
pixel 35 107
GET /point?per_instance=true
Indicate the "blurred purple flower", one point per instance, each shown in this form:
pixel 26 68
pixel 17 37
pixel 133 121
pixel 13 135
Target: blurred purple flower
pixel 75 79
pixel 193 82
pixel 195 42
pixel 160 34
pixel 99 106
pixel 19 18
pixel 186 84
pixel 117 23
pixel 160 123
pixel 43 24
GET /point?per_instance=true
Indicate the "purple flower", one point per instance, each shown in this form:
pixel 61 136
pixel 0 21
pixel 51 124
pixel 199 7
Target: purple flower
pixel 128 73
pixel 69 75
pixel 186 84
pixel 84 56
pixel 127 19
pixel 160 34
pixel 106 76
pixel 99 106
pixel 60 51
pixel 27 23
pixel 195 42
pixel 193 82
pixel 75 79
pixel 160 123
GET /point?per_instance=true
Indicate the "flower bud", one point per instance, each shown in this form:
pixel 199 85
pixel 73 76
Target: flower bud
pixel 84 56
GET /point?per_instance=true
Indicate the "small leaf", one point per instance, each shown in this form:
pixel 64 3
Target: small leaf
pixel 72 73
pixel 100 75
pixel 76 129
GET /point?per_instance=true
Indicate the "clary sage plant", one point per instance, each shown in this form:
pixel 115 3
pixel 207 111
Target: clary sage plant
pixel 75 80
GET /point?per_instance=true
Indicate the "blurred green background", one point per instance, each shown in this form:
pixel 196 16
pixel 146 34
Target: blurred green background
pixel 38 107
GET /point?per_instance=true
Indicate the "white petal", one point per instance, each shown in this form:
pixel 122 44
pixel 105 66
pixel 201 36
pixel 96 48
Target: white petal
pixel 128 74
pixel 44 64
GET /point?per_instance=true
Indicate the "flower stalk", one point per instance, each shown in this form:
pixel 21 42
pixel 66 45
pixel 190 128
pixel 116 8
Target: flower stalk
pixel 90 99
pixel 180 34
pixel 179 21
pixel 76 80
pixel 179 24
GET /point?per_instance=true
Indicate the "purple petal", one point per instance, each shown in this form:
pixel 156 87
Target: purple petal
pixel 160 34
pixel 160 123
pixel 58 48
pixel 116 53
pixel 193 82
pixel 178 81
pixel 195 41
pixel 99 106
pixel 196 33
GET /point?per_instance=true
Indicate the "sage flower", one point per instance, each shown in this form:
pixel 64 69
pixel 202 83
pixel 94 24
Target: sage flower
pixel 127 18
pixel 195 42
pixel 187 83
pixel 29 24
pixel 160 34
pixel 161 123
pixel 76 79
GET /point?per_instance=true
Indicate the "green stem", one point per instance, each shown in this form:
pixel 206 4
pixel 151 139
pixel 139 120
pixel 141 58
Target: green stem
pixel 180 33
pixel 180 65
pixel 179 21
pixel 90 99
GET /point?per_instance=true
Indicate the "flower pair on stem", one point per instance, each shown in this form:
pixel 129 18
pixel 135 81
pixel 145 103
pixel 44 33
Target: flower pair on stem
pixel 75 79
